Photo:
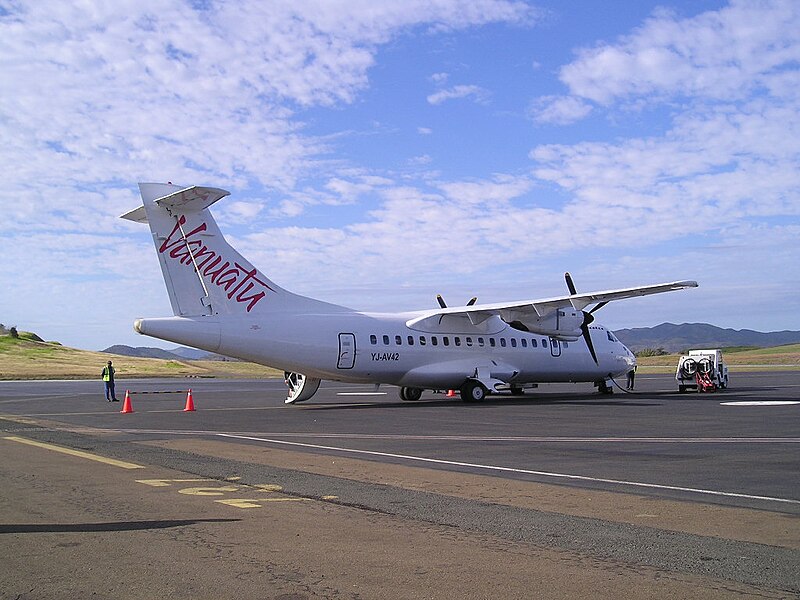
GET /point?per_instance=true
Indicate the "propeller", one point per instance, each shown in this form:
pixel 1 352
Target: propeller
pixel 443 304
pixel 588 319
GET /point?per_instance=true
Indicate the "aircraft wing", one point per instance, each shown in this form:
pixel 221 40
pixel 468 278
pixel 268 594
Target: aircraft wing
pixel 533 310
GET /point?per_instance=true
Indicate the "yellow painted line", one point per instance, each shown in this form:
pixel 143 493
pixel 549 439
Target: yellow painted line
pixel 78 453
pixel 20 420
pixel 254 502
pixel 168 482
pixel 209 491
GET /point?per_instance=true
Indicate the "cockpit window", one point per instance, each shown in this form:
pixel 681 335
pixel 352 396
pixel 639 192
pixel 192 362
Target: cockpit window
pixel 611 337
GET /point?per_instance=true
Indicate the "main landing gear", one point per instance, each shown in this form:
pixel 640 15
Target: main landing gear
pixel 473 391
pixel 410 394
pixel 604 388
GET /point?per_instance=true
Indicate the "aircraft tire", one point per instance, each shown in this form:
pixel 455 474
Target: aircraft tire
pixel 410 394
pixel 473 391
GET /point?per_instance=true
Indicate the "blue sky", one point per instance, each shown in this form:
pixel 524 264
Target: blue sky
pixel 379 153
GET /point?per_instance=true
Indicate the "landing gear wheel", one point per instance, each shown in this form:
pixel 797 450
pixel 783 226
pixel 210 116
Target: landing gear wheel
pixel 410 394
pixel 516 390
pixel 473 391
pixel 604 388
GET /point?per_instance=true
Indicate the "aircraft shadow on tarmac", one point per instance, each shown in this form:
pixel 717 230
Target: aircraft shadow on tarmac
pixel 99 527
pixel 489 401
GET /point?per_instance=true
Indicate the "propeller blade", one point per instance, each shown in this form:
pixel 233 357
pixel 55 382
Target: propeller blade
pixel 588 319
pixel 598 307
pixel 440 300
pixel 570 284
pixel 588 339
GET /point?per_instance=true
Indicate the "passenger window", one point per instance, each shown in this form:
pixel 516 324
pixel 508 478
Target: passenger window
pixel 480 342
pixel 513 342
pixel 411 340
pixel 492 342
pixel 373 339
pixel 434 341
pixel 457 341
pixel 565 344
pixel 544 343
pixel 398 340
pixel 386 340
pixel 502 342
pixel 446 341
pixel 422 340
pixel 524 342
pixel 469 341
pixel 534 343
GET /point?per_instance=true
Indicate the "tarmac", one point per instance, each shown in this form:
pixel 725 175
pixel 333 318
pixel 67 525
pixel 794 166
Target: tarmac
pixel 560 493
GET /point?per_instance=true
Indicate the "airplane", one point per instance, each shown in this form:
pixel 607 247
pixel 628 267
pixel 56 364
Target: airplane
pixel 223 304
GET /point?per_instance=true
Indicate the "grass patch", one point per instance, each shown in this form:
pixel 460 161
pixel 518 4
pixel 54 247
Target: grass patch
pixel 26 359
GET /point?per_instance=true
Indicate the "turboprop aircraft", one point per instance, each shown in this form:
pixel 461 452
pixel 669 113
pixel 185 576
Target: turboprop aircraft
pixel 223 304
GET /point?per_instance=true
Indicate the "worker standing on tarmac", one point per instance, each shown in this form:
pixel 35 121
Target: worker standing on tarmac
pixel 108 380
pixel 631 378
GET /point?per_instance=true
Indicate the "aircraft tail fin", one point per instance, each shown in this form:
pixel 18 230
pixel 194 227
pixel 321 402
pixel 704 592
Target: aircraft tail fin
pixel 204 274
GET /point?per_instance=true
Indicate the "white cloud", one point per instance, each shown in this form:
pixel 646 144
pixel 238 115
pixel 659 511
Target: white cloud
pixel 479 94
pixel 720 55
pixel 559 110
pixel 99 96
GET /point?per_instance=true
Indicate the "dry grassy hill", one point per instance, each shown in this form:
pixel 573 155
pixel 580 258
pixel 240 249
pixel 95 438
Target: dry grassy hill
pixel 26 358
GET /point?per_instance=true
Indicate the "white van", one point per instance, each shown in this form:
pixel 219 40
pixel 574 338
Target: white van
pixel 702 370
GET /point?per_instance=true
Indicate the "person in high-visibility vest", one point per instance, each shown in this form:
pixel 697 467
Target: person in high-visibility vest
pixel 108 380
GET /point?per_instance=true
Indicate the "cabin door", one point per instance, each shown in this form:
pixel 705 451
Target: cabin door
pixel 347 351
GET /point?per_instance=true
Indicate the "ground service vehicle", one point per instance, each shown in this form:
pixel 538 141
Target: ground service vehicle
pixel 703 370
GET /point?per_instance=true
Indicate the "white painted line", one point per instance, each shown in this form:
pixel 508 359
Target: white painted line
pixel 761 403
pixel 521 471
pixel 361 393
pixel 472 438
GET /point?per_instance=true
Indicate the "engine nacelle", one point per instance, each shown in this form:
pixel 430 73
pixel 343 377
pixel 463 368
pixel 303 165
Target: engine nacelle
pixel 562 324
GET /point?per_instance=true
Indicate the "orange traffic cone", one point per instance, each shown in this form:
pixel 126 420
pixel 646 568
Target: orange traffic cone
pixel 189 402
pixel 127 407
pixel 451 393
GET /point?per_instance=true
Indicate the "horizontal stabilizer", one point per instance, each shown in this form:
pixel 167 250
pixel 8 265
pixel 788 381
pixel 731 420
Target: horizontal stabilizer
pixel 192 199
pixel 137 215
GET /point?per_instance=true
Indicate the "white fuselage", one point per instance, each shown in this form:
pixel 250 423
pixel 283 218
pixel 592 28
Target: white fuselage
pixel 361 347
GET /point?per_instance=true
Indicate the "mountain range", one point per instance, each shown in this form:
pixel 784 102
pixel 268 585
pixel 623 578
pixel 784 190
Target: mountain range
pixel 670 337
pixel 674 338
pixel 179 353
